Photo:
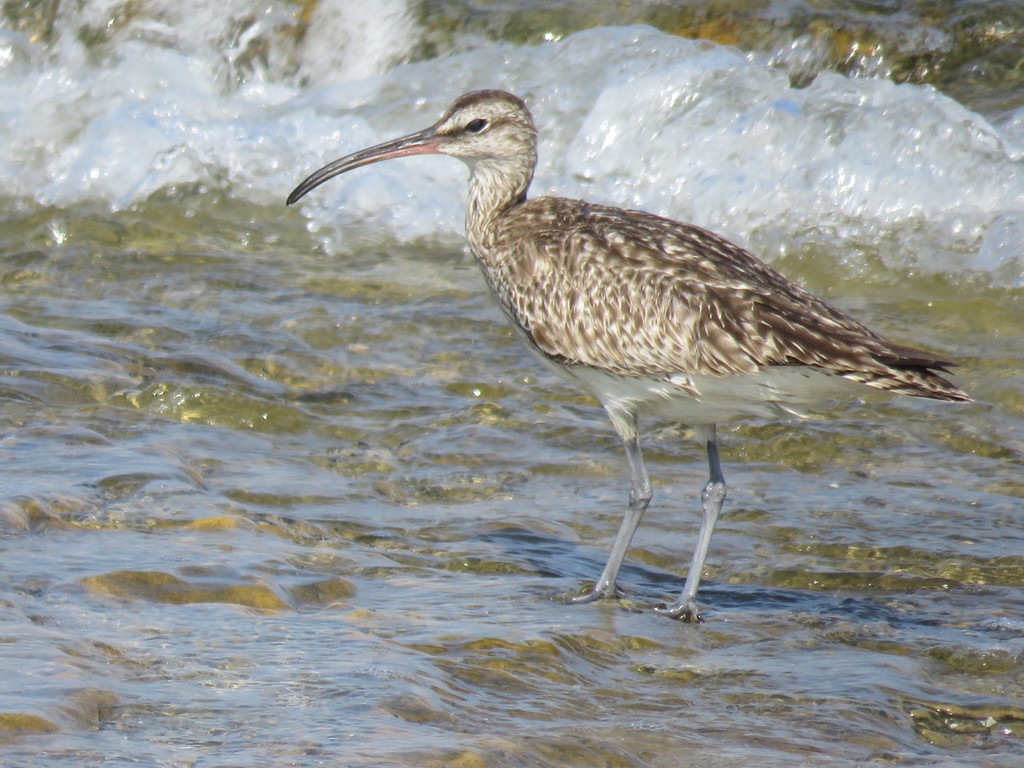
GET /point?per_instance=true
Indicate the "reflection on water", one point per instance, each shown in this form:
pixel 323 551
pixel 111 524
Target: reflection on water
pixel 326 514
pixel 266 502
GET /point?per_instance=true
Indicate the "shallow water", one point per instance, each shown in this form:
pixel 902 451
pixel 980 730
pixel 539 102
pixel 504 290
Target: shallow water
pixel 279 486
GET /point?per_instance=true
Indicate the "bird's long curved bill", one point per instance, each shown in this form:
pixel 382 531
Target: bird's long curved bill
pixel 424 142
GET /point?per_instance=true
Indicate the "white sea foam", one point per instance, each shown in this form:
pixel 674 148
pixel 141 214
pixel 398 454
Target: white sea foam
pixel 629 115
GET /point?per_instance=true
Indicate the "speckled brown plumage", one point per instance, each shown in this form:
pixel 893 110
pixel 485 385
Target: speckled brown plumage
pixel 637 294
pixel 649 314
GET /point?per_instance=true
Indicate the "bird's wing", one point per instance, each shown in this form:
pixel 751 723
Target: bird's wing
pixel 633 293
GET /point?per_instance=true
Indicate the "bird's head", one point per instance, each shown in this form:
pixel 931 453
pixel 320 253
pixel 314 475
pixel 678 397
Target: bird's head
pixel 481 127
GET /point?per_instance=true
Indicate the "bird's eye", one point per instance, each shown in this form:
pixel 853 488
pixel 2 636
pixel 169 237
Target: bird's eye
pixel 476 126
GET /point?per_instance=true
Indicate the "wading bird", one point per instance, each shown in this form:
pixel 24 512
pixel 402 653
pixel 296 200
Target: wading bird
pixel 649 315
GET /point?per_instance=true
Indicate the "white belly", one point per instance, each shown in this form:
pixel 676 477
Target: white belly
pixel 703 400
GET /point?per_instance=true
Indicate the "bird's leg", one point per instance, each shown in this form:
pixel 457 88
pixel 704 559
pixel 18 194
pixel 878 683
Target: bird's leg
pixel 711 500
pixel 639 498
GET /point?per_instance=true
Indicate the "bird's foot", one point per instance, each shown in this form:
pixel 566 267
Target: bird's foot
pixel 687 612
pixel 599 592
